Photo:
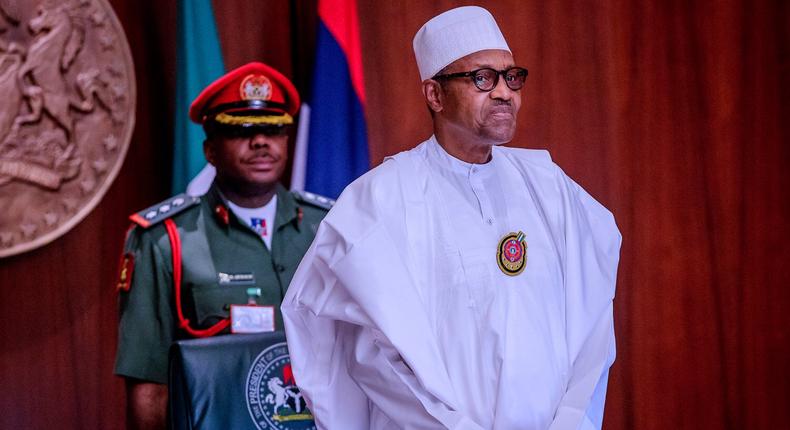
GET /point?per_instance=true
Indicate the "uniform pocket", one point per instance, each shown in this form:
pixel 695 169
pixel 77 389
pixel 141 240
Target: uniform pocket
pixel 212 302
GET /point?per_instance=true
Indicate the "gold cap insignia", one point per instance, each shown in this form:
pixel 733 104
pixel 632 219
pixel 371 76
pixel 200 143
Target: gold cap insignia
pixel 255 87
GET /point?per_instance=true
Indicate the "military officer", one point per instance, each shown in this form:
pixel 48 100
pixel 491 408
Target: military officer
pixel 190 261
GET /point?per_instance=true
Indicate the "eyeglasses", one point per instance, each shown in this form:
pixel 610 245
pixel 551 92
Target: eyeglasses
pixel 486 79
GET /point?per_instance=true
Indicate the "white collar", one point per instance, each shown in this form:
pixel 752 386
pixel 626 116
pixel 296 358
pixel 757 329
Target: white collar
pixel 438 154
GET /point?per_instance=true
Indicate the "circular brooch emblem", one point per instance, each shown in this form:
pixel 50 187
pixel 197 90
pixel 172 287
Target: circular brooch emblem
pixel 273 400
pixel 511 256
pixel 255 87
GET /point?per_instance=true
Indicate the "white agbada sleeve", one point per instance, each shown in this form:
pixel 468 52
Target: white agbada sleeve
pixel 592 250
pixel 352 286
pixel 588 241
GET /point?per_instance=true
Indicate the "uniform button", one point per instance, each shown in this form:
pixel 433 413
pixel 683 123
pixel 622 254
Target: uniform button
pixel 490 221
pixel 280 268
pixel 474 169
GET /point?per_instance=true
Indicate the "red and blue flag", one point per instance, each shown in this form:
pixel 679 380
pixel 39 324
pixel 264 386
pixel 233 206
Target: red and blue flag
pixel 337 145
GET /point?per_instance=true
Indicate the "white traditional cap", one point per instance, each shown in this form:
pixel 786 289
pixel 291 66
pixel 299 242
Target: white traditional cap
pixel 455 34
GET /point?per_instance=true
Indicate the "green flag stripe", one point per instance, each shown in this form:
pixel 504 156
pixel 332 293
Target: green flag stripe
pixel 199 62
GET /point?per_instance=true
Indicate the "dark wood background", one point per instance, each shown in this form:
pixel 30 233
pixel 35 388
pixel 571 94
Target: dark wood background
pixel 672 113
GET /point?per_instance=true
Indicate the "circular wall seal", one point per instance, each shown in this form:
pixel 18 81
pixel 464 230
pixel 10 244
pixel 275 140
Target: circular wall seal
pixel 68 89
pixel 273 400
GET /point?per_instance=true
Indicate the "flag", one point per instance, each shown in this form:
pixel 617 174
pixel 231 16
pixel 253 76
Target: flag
pixel 198 63
pixel 336 138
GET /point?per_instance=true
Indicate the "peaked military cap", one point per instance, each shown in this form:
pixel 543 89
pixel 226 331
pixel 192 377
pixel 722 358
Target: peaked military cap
pixel 251 95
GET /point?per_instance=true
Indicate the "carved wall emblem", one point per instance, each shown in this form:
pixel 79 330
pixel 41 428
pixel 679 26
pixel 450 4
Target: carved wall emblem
pixel 66 117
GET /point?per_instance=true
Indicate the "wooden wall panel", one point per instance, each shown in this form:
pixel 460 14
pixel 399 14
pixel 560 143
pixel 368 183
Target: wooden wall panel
pixel 58 316
pixel 673 114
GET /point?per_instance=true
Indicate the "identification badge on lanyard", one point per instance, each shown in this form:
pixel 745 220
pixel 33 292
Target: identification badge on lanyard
pixel 251 318
pixel 511 255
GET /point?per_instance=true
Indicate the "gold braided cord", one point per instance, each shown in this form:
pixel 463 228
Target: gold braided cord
pixel 283 119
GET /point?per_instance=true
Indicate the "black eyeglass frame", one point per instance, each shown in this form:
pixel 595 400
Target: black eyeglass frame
pixel 497 73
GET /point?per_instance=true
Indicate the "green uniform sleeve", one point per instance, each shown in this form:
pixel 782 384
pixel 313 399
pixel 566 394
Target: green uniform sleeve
pixel 147 314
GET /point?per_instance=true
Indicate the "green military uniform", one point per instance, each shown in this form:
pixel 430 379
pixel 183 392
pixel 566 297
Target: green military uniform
pixel 213 242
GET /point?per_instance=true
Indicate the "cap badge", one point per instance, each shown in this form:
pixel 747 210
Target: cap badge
pixel 256 87
pixel 511 256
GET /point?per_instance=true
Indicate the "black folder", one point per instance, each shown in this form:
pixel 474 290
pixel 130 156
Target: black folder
pixel 239 381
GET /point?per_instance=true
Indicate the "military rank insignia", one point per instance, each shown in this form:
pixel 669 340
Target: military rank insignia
pixel 511 255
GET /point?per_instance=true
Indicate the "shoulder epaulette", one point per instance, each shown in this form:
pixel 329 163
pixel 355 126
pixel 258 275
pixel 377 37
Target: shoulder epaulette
pixel 314 199
pixel 164 210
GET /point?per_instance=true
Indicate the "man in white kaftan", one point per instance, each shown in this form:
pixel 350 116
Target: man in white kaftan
pixel 409 311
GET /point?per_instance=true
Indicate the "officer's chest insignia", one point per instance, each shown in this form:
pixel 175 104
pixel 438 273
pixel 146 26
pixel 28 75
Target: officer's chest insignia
pixel 255 87
pixel 511 255
pixel 164 210
pixel 125 270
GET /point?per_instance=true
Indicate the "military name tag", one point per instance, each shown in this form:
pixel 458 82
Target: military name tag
pixel 511 256
pixel 251 319
pixel 236 278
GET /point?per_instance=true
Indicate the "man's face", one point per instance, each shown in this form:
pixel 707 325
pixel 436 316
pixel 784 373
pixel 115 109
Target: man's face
pixel 485 117
pixel 256 161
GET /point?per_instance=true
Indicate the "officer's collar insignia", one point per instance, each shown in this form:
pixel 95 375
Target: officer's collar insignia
pixel 273 399
pixel 222 214
pixel 125 271
pixel 511 255
pixel 255 87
